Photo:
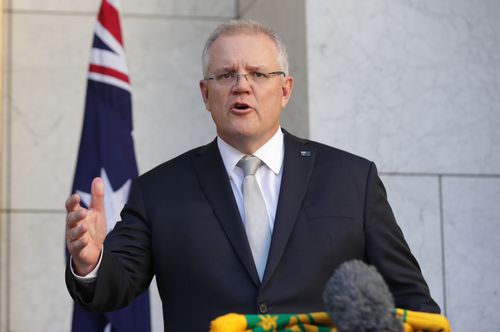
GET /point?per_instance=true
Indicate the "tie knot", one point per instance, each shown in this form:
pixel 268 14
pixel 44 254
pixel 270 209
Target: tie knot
pixel 249 164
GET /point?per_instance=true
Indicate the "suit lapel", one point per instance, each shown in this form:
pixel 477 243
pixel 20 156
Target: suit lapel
pixel 215 183
pixel 298 164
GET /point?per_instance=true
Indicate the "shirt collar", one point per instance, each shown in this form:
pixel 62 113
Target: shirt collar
pixel 271 153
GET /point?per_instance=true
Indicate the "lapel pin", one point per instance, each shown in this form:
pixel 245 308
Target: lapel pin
pixel 305 153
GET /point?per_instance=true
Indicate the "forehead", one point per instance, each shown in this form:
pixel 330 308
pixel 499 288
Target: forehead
pixel 243 49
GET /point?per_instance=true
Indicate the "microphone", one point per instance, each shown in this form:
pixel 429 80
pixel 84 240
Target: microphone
pixel 358 300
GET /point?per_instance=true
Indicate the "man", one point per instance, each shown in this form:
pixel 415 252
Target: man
pixel 192 220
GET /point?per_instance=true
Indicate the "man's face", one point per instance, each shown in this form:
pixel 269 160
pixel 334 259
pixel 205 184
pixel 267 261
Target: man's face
pixel 246 113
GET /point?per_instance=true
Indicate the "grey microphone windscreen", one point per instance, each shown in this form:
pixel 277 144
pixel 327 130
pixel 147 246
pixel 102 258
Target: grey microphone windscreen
pixel 358 299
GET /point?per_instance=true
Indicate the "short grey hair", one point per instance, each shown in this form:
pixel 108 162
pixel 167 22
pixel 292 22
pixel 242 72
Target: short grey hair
pixel 234 27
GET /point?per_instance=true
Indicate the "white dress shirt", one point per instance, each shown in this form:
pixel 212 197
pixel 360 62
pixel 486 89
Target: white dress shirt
pixel 268 175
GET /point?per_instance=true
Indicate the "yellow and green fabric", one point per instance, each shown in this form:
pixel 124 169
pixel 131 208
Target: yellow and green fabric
pixel 313 322
pixel 412 321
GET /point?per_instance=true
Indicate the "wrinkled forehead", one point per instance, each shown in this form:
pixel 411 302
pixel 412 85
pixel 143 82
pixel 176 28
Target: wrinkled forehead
pixel 243 49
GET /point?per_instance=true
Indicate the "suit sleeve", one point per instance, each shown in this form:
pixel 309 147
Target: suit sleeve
pixel 387 249
pixel 126 268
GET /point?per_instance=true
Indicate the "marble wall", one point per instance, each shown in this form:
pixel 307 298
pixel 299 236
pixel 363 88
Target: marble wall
pixel 421 92
pixel 46 59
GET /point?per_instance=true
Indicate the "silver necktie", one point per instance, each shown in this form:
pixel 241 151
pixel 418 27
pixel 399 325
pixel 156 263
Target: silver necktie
pixel 256 219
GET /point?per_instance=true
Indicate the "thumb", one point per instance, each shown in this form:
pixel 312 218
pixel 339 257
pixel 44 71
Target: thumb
pixel 97 195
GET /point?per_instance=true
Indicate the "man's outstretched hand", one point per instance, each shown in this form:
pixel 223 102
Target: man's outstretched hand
pixel 86 229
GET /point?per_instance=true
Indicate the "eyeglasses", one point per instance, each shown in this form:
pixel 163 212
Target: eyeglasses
pixel 231 78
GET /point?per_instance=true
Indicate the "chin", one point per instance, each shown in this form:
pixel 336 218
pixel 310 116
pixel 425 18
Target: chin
pixel 237 134
pixel 243 128
pixel 243 135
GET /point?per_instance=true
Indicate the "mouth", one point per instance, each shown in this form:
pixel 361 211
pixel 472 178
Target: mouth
pixel 241 108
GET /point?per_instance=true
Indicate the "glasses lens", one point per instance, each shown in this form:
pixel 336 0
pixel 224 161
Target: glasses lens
pixel 231 78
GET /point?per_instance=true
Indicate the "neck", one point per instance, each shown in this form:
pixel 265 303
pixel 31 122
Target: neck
pixel 247 145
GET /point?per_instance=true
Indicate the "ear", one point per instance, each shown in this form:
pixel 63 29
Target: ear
pixel 204 93
pixel 286 90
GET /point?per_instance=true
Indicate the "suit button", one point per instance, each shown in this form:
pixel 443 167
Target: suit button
pixel 263 308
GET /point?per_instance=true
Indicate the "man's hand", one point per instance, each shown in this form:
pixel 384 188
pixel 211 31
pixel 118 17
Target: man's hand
pixel 86 229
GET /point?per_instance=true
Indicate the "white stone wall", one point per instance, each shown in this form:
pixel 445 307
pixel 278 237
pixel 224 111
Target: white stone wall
pixel 46 51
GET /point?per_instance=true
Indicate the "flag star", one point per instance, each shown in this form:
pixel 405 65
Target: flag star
pixel 113 200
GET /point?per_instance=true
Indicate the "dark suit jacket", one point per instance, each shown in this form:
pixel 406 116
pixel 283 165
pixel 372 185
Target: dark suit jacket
pixel 182 224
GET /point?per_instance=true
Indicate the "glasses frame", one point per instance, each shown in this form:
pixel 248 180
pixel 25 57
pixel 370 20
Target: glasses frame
pixel 236 76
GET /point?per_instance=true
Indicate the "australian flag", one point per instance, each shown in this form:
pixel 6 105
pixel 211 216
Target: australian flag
pixel 107 150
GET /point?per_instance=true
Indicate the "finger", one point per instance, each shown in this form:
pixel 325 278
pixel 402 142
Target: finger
pixel 72 203
pixel 73 234
pixel 74 217
pixel 97 195
pixel 75 247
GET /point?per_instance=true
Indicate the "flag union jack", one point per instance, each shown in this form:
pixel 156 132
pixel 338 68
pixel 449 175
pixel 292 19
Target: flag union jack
pixel 107 59
pixel 107 150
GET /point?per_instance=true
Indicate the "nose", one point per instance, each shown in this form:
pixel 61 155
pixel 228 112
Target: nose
pixel 241 84
pixel 238 77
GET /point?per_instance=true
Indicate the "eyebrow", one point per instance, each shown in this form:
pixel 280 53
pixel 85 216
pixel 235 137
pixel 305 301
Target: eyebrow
pixel 233 68
pixel 256 68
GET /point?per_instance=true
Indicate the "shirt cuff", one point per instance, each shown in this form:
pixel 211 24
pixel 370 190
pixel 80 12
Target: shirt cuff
pixel 92 275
